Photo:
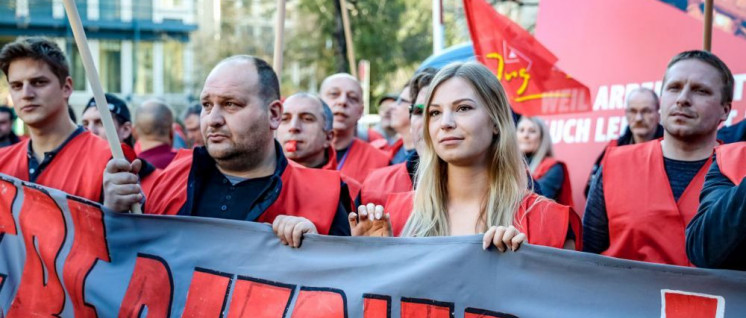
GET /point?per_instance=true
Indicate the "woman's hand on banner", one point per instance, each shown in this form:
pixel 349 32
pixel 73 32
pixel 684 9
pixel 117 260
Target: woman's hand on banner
pixel 290 229
pixel 503 238
pixel 121 189
pixel 370 220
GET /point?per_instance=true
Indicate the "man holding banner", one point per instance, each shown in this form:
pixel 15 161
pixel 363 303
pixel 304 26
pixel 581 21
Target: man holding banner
pixel 59 154
pixel 645 194
pixel 241 173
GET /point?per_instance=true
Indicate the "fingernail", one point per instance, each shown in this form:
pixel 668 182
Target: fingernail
pixel 502 249
pixel 484 246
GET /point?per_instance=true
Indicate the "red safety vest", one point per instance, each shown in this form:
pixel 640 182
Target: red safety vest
pixel 542 220
pixel 309 193
pixel 360 160
pixel 77 168
pixel 565 194
pixel 645 223
pixel 384 181
pixel 353 186
pixel 731 160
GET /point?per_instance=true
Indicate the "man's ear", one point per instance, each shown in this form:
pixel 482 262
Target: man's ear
pixel 274 110
pixel 726 108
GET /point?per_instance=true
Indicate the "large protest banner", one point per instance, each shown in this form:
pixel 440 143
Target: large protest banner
pixel 614 47
pixel 63 256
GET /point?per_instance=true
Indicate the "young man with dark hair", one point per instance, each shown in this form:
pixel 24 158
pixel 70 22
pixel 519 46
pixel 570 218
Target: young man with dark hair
pixel 241 173
pixel 7 136
pixel 646 194
pixel 58 154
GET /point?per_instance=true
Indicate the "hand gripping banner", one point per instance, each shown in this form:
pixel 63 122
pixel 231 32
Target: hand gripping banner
pixel 63 256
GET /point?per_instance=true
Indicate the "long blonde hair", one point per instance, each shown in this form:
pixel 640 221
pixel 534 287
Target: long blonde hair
pixel 506 168
pixel 545 143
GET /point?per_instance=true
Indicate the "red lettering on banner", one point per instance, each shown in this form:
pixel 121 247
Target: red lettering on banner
pixel 89 246
pixel 425 308
pixel 677 304
pixel 7 197
pixel 481 313
pixel 151 286
pixel 253 297
pixel 40 291
pixel 376 306
pixel 320 302
pixel 207 294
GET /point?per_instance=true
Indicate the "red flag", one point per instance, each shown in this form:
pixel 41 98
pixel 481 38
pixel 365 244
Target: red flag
pixel 526 68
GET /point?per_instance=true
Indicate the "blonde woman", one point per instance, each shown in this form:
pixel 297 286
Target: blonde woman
pixel 552 175
pixel 471 178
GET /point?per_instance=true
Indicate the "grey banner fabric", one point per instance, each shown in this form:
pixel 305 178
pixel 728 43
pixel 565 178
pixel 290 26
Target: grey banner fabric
pixel 87 262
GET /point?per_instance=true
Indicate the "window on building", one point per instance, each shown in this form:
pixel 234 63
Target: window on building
pixel 142 10
pixel 110 10
pixel 143 68
pixel 110 61
pixel 77 71
pixel 173 67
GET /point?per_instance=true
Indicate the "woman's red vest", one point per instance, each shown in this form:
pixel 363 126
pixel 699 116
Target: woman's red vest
pixel 77 168
pixel 384 181
pixel 309 193
pixel 645 223
pixel 565 194
pixel 731 160
pixel 542 220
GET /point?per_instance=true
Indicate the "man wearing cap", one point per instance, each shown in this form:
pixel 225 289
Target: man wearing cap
pixel 647 193
pixel 382 135
pixel 7 136
pixel 306 133
pixel 355 157
pixel 154 128
pixel 241 173
pixel 59 154
pixel 91 119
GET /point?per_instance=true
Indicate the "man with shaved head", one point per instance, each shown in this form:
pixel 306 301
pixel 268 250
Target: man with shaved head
pixel 355 158
pixel 241 173
pixel 153 126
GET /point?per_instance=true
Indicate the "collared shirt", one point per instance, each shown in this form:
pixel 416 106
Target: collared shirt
pixel 35 167
pixel 213 194
pixel 159 156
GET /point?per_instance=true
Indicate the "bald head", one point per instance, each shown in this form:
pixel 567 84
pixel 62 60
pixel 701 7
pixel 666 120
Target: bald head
pixel 154 120
pixel 260 77
pixel 344 95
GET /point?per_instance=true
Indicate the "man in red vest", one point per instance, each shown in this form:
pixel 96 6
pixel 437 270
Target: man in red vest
pixel 241 173
pixel 399 177
pixel 306 133
pixel 355 158
pixel 59 154
pixel 646 194
pixel 716 236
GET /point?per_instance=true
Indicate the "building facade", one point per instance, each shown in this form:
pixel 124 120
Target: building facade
pixel 140 47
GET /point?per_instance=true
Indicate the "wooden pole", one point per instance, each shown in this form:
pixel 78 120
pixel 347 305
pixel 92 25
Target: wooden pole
pixel 708 26
pixel 279 37
pixel 348 38
pixel 98 92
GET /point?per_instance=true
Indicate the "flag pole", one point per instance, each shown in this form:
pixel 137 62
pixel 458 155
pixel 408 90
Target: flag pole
pixel 98 92
pixel 279 37
pixel 708 26
pixel 348 38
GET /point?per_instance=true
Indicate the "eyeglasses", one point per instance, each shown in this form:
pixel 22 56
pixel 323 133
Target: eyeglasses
pixel 416 109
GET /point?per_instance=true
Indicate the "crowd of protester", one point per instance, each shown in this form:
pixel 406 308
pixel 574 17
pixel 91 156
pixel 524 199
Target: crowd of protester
pixel 449 157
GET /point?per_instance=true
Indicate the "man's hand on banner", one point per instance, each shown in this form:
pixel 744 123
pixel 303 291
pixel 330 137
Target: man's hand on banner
pixel 290 229
pixel 370 220
pixel 121 189
pixel 503 237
